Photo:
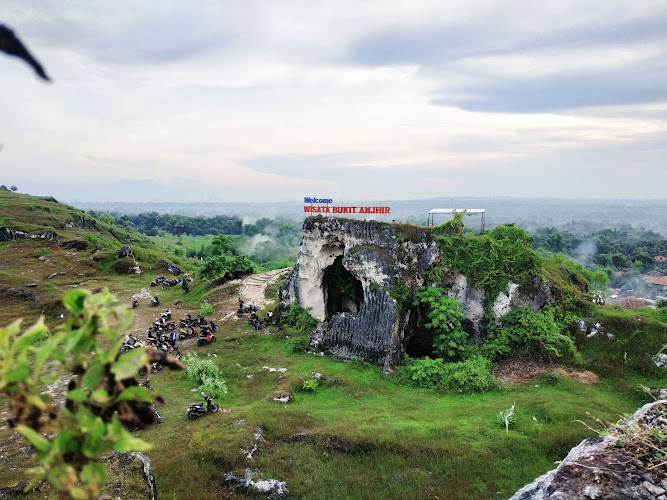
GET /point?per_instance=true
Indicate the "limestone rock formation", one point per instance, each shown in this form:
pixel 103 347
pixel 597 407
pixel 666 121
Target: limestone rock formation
pixel 598 468
pixel 8 234
pixel 350 275
pixel 172 268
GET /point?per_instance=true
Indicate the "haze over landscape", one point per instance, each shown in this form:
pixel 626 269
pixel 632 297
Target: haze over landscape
pixel 262 101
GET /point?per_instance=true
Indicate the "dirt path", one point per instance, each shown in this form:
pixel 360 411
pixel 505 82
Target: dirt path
pixel 253 287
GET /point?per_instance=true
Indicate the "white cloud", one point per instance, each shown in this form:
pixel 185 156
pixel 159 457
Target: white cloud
pixel 170 90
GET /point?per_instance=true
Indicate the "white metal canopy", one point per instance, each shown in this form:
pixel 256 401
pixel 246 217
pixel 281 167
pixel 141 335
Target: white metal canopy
pixel 465 211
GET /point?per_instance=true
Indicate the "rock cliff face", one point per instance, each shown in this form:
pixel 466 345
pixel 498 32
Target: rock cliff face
pixel 350 274
pixel 598 468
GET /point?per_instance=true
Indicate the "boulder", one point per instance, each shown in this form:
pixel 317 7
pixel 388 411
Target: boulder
pixel 124 253
pixel 129 476
pixel 77 245
pixel 598 468
pixel 172 268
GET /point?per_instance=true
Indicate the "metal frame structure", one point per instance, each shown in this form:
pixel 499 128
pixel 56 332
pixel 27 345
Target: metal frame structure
pixel 466 211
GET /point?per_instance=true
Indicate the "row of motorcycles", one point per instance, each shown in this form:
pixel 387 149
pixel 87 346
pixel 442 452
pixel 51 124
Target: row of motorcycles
pixel 165 282
pixel 155 301
pixel 159 336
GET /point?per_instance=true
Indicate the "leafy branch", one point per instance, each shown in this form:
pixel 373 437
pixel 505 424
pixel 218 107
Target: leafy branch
pixel 102 398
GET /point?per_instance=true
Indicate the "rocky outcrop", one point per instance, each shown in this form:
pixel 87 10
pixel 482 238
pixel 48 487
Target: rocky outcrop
pixel 599 468
pixel 8 234
pixel 352 276
pixel 124 253
pixel 77 245
pixel 172 268
pixel 129 476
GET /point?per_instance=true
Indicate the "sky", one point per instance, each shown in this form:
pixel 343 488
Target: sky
pixel 351 100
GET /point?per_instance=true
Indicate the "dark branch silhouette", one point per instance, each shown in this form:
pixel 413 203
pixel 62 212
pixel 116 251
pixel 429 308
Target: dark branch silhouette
pixel 13 46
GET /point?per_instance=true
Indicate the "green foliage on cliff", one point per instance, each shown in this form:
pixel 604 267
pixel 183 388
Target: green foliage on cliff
pixel 445 317
pixel 528 334
pixel 298 318
pixel 489 261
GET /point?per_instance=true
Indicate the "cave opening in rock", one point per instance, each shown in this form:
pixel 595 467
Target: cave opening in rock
pixel 342 291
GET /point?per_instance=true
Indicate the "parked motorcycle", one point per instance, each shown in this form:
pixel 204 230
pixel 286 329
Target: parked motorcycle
pixel 129 344
pixel 155 301
pixel 186 333
pixel 166 313
pixel 187 321
pixel 206 337
pixel 196 410
pixel 155 367
pixel 158 420
pixel 214 327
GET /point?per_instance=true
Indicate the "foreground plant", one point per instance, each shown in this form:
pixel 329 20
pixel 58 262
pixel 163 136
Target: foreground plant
pixel 102 397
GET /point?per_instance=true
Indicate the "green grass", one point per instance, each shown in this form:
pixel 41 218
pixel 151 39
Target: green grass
pixel 364 435
pixel 367 427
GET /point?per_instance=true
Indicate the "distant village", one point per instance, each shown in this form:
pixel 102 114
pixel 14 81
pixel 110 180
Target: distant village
pixel 656 282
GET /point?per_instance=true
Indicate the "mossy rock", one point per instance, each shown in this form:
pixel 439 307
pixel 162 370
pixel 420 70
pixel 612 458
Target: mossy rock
pixel 124 266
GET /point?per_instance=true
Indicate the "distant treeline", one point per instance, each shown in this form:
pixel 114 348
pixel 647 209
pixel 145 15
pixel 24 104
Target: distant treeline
pixel 619 248
pixel 268 243
pixel 150 223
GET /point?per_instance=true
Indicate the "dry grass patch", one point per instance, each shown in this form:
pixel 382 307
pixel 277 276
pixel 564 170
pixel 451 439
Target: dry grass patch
pixel 519 371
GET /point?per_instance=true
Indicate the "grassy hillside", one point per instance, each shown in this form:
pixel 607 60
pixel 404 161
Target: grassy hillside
pixel 35 272
pixel 357 433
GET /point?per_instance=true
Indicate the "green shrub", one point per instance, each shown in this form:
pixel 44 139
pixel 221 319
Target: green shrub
pixel 532 335
pixel 490 261
pixel 67 440
pixel 205 374
pixel 299 318
pixel 309 385
pixel 472 375
pixel 425 372
pixel 445 315
pixel 294 345
pixel 206 309
pixel 40 252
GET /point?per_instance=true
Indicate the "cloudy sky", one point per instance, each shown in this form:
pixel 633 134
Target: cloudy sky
pixel 351 100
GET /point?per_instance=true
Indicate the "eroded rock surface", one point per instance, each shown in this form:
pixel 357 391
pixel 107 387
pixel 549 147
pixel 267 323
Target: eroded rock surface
pixel 8 234
pixel 367 256
pixel 171 267
pixel 598 468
